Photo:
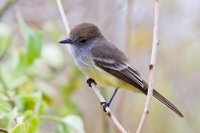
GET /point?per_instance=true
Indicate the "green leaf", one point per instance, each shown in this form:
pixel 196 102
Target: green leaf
pixel 33 39
pixel 19 128
pixel 6 115
pixel 71 124
pixel 34 44
pixel 4 109
pixel 33 122
pixel 27 101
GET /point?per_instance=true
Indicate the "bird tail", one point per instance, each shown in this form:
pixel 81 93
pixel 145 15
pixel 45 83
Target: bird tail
pixel 166 102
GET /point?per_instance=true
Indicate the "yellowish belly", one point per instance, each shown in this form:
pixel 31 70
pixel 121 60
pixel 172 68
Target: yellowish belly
pixel 108 80
pixel 102 77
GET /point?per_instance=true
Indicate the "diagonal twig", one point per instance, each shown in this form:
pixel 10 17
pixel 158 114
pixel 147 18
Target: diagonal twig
pixel 109 112
pixel 6 7
pixel 96 90
pixel 64 19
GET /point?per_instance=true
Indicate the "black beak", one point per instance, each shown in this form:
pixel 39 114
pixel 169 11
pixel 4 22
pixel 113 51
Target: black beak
pixel 68 40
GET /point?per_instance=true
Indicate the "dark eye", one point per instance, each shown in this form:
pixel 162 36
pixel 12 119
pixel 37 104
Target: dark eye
pixel 83 41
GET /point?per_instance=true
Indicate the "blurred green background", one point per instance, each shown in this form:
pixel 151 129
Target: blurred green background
pixel 42 91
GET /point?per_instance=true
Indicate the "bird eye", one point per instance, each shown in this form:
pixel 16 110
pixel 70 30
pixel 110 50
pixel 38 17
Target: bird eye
pixel 83 41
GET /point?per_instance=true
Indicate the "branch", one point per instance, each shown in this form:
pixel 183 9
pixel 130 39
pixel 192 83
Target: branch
pixel 151 67
pixel 3 130
pixel 96 90
pixel 6 7
pixel 109 112
pixel 62 13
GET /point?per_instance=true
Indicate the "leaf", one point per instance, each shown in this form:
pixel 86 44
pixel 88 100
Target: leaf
pixel 33 122
pixel 71 124
pixel 19 128
pixel 27 101
pixel 34 44
pixel 4 109
pixel 34 41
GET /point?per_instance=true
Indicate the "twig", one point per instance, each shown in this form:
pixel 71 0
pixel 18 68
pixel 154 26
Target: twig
pixel 3 130
pixel 50 117
pixel 6 7
pixel 152 68
pixel 96 90
pixel 109 112
pixel 62 13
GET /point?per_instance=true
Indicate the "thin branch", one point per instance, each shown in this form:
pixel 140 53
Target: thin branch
pixel 96 90
pixel 3 130
pixel 62 13
pixel 6 7
pixel 50 117
pixel 109 112
pixel 151 67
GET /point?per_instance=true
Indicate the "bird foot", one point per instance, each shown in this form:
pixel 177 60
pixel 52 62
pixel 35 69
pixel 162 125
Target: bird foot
pixel 105 104
pixel 90 80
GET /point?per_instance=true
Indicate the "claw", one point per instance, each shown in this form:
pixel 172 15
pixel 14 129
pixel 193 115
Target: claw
pixel 90 80
pixel 105 104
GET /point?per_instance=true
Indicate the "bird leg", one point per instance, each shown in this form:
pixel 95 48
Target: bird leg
pixel 90 80
pixel 105 104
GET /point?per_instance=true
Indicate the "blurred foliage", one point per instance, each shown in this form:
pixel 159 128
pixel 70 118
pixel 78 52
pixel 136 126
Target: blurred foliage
pixel 40 84
pixel 27 85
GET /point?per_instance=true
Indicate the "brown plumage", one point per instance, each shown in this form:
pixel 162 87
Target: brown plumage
pixel 86 31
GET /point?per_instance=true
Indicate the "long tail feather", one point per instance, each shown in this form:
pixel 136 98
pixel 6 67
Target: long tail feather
pixel 166 102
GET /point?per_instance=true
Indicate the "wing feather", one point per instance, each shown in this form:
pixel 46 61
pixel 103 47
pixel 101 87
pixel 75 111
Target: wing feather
pixel 116 64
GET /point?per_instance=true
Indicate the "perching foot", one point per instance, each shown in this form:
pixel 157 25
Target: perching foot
pixel 105 104
pixel 90 80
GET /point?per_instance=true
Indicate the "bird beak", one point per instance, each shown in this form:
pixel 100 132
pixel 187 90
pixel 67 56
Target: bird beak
pixel 68 40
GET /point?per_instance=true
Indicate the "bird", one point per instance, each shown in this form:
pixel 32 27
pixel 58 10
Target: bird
pixel 104 63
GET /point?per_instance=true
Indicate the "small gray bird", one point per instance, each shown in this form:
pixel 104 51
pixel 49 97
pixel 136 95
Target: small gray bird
pixel 103 62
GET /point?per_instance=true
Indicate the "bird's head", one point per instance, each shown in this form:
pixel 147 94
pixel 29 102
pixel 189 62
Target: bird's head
pixel 82 33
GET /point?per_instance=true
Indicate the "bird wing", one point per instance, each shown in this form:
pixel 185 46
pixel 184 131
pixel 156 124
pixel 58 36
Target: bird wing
pixel 113 61
pixel 109 58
